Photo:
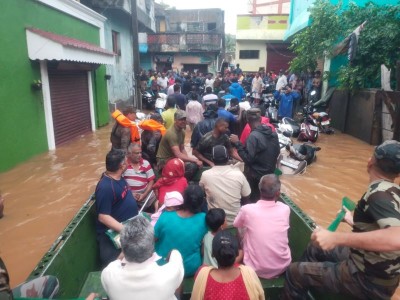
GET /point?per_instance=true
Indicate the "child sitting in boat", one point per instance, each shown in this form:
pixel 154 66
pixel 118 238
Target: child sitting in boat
pixel 172 202
pixel 216 221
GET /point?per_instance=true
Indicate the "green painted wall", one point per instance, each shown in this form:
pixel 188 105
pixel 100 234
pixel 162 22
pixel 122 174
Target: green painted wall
pixel 100 94
pixel 22 121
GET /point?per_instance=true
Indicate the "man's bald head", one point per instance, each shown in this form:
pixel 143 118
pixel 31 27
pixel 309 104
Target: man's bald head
pixel 270 187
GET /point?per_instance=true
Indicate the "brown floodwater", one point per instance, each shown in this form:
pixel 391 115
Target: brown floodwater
pixel 43 194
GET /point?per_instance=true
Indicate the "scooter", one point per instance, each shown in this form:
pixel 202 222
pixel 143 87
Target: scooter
pixel 309 130
pixel 287 164
pixel 292 124
pixel 305 151
pixel 294 159
pixel 320 116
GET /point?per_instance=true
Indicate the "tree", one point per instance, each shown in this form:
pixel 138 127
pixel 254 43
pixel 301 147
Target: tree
pixel 230 42
pixel 378 42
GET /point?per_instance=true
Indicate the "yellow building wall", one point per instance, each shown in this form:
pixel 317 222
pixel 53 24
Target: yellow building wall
pixel 251 65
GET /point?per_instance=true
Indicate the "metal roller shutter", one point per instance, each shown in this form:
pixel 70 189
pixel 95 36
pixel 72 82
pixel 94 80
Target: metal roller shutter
pixel 70 104
pixel 278 56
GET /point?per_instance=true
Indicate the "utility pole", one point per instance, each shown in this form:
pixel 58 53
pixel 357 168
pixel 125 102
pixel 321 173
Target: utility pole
pixel 136 57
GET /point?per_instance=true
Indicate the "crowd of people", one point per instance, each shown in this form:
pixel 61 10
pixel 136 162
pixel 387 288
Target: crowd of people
pixel 216 214
pixel 230 229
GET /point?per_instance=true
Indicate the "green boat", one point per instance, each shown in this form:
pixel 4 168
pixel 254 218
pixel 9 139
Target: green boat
pixel 73 257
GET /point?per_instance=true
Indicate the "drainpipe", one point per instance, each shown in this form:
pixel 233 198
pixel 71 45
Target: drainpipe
pixel 136 57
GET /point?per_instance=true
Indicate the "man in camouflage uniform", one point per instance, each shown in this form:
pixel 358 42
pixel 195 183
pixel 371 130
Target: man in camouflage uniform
pixel 218 136
pixel 364 263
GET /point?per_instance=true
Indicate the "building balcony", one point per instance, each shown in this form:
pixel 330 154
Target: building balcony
pixel 184 42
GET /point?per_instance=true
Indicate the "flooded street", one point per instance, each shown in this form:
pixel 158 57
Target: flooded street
pixel 43 194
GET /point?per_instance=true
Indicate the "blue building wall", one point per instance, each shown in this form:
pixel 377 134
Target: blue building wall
pixel 145 61
pixel 120 86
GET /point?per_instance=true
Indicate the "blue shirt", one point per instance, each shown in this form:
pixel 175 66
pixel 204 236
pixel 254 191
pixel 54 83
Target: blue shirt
pixel 237 91
pixel 228 116
pixel 286 102
pixel 228 96
pixel 114 198
pixel 183 234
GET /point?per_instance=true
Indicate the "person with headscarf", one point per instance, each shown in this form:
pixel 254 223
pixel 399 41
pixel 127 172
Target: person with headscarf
pixel 172 202
pixel 172 179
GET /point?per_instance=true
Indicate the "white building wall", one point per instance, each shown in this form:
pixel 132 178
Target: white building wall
pixel 251 65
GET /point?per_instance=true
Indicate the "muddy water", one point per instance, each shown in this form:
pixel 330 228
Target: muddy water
pixel 44 193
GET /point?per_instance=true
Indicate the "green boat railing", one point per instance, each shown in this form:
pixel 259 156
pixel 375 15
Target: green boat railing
pixel 73 257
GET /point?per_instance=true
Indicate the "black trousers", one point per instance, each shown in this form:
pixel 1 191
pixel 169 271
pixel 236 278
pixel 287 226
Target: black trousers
pixel 107 250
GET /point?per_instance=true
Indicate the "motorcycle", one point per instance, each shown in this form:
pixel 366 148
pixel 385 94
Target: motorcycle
pixel 321 118
pixel 292 124
pixel 309 130
pixel 148 100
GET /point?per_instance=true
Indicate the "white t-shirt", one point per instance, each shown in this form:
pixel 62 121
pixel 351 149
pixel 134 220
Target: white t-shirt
pixel 209 82
pixel 162 82
pixel 282 82
pixel 124 280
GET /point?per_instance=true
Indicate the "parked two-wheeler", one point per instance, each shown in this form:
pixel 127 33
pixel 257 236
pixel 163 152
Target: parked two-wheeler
pixel 319 114
pixel 148 100
pixel 309 130
pixel 294 159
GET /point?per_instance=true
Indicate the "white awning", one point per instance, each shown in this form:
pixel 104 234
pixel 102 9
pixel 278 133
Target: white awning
pixel 43 45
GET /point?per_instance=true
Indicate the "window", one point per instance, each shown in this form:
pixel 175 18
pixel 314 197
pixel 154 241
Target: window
pixel 211 26
pixel 195 27
pixel 161 25
pixel 116 42
pixel 249 54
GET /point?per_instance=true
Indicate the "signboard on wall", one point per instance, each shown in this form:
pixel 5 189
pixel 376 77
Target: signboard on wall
pixel 162 58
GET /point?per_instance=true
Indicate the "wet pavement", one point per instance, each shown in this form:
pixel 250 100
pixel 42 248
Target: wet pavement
pixel 44 193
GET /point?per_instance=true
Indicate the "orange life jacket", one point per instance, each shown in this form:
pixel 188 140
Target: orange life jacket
pixel 152 125
pixel 125 122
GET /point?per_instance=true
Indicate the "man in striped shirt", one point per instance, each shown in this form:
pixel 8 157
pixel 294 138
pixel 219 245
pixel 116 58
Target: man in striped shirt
pixel 139 174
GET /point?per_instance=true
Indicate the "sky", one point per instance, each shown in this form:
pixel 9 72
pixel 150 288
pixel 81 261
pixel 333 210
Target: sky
pixel 231 8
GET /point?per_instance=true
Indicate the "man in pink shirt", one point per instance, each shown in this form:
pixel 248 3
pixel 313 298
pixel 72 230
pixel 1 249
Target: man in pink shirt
pixel 264 231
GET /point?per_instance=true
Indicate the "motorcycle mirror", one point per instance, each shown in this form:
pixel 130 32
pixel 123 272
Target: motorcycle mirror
pixel 313 93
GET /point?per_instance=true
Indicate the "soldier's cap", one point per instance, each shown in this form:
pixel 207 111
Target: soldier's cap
pixel 254 111
pixel 180 114
pixel 389 150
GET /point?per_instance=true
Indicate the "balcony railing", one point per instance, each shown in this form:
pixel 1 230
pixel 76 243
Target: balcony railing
pixel 184 42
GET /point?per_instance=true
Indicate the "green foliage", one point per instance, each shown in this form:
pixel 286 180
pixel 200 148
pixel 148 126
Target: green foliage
pixel 378 42
pixel 230 42
pixel 310 44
